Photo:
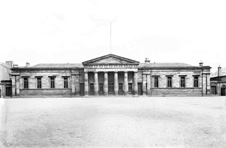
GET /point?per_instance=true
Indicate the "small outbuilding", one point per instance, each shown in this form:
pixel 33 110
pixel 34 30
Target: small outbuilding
pixel 218 82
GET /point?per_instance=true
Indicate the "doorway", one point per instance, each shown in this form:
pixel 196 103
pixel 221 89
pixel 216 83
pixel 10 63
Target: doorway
pixel 223 88
pixel 140 91
pixel 110 88
pixel 8 92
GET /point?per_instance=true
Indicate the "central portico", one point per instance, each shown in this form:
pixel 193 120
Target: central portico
pixel 110 75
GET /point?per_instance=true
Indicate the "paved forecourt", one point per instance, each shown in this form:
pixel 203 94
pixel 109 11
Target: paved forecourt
pixel 114 121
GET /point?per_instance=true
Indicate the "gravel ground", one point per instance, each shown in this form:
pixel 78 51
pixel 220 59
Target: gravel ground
pixel 181 122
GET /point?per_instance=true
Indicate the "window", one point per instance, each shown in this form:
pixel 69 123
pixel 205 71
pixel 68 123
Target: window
pixel 65 82
pixel 25 83
pixel 39 82
pixel 196 81
pixel 52 82
pixel 156 81
pixel 169 81
pixel 182 81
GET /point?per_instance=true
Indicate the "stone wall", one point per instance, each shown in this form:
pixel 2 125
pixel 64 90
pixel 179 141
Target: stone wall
pixel 175 92
pixel 43 92
pixel 46 90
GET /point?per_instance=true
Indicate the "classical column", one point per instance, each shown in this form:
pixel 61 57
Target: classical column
pixel 86 83
pixel 2 91
pixel 96 83
pixel 18 85
pixel 73 84
pixel 148 84
pixel 125 82
pixel 144 84
pixel 106 83
pixel 135 84
pixel 116 83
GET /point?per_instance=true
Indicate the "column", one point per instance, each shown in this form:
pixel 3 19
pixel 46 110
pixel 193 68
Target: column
pixel 116 83
pixel 148 84
pixel 96 86
pixel 2 91
pixel 77 84
pixel 144 84
pixel 135 84
pixel 105 83
pixel 86 83
pixel 73 84
pixel 18 85
pixel 125 82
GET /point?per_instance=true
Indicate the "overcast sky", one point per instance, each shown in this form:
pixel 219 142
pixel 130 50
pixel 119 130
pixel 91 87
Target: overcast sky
pixel 54 31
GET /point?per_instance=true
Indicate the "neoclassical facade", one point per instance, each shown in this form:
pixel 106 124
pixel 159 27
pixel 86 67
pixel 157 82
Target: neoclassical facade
pixel 110 75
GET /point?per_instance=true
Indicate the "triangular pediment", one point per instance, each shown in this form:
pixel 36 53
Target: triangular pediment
pixel 110 59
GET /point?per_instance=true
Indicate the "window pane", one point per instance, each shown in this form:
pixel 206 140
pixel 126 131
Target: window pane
pixel 169 81
pixel 25 82
pixel 196 81
pixel 39 83
pixel 182 82
pixel 65 82
pixel 156 82
pixel 52 84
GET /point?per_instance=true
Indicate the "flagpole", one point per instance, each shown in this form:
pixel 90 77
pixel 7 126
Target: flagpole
pixel 110 37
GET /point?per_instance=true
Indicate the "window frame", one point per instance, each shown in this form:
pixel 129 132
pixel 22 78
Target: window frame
pixel 156 82
pixel 182 81
pixel 39 82
pixel 194 81
pixel 66 82
pixel 52 82
pixel 169 81
pixel 26 83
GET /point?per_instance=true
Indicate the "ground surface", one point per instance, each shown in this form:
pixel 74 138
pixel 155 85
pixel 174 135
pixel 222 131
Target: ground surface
pixel 114 122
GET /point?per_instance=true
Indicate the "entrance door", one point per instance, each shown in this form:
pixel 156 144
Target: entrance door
pixel 130 91
pixel 120 89
pixel 91 89
pixel 213 90
pixel 111 88
pixel 101 89
pixel 223 90
pixel 140 91
pixel 81 89
pixel 8 92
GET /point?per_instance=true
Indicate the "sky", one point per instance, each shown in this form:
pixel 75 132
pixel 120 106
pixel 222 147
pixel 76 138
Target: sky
pixel 73 31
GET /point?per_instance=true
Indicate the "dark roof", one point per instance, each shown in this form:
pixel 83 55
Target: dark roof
pixel 79 65
pixel 166 65
pixel 59 65
pixel 53 66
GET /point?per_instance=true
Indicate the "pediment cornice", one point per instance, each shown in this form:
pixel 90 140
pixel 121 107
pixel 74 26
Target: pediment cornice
pixel 110 59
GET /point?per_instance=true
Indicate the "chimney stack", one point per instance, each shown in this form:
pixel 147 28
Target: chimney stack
pixel 10 63
pixel 219 71
pixel 27 64
pixel 200 64
pixel 15 65
pixel 147 60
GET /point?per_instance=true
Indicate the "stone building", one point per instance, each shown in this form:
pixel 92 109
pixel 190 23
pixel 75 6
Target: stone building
pixel 111 75
pixel 218 82
pixel 5 82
